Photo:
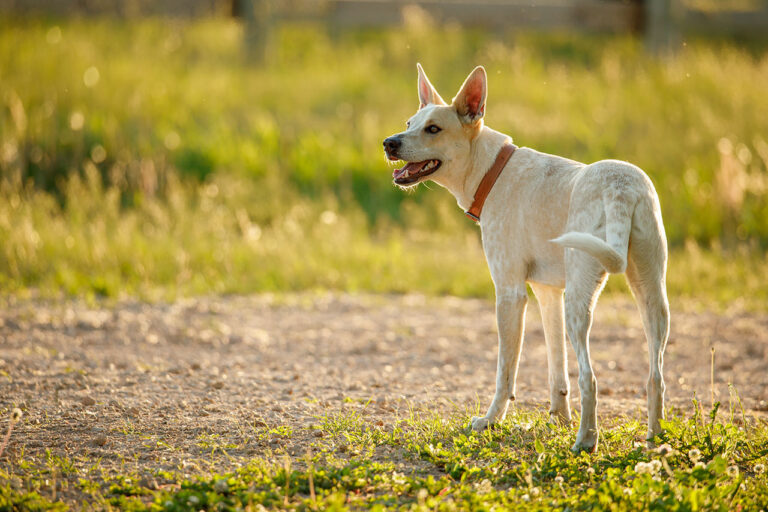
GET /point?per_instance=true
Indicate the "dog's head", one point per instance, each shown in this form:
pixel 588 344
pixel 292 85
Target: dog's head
pixel 439 136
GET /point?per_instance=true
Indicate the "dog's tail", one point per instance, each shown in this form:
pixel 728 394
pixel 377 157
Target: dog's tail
pixel 612 252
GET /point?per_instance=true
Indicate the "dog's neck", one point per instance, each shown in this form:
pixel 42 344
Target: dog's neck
pixel 464 179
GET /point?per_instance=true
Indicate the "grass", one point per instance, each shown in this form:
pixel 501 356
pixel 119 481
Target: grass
pixel 153 159
pixel 424 462
pixel 202 239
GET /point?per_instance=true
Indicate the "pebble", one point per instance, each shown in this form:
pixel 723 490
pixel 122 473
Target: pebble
pixel 87 401
pixel 149 482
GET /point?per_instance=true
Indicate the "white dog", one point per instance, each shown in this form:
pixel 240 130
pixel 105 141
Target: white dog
pixel 550 222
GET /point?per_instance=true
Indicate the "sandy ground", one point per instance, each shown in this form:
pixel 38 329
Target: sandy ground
pixel 209 383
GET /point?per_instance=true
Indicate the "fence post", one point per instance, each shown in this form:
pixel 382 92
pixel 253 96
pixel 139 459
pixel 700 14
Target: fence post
pixel 660 26
pixel 256 28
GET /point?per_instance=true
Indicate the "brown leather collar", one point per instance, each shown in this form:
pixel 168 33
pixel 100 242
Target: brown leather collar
pixel 486 184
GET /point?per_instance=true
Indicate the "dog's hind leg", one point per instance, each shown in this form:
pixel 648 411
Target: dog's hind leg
pixel 647 280
pixel 551 306
pixel 584 280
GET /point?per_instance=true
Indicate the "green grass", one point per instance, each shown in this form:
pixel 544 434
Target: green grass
pixel 206 239
pixel 425 462
pixel 150 158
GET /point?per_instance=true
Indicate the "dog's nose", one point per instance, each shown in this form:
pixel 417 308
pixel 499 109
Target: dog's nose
pixel 391 144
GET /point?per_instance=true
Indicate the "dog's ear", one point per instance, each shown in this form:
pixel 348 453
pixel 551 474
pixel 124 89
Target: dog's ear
pixel 427 94
pixel 470 101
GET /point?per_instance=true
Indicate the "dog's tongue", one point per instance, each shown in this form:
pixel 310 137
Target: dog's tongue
pixel 410 168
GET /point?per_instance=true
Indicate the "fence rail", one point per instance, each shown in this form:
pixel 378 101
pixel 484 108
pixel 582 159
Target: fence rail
pixel 577 15
pixel 591 15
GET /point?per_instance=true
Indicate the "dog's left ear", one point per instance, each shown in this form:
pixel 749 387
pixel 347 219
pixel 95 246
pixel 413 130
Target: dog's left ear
pixel 427 94
pixel 470 101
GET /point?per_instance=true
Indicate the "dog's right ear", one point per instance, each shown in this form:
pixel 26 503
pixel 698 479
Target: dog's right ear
pixel 427 94
pixel 470 101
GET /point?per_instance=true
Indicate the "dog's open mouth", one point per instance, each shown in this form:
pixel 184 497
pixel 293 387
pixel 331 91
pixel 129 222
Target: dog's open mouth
pixel 413 171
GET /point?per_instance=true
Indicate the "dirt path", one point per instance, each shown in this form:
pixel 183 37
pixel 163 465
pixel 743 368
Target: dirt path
pixel 216 381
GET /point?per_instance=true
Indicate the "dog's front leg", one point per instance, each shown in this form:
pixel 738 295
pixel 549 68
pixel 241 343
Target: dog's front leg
pixel 510 318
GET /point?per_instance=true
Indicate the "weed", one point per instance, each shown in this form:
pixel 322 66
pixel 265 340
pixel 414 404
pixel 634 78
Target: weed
pixel 14 418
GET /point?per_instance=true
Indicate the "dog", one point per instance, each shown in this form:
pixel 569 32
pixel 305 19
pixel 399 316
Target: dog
pixel 560 226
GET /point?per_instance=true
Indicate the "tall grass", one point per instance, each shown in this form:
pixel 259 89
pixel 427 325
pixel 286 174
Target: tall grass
pixel 151 157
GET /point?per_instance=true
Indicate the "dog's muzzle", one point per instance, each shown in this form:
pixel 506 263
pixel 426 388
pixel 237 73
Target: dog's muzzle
pixel 391 145
pixel 411 172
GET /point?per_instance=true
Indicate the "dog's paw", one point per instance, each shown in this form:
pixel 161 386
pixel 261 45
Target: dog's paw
pixel 580 447
pixel 480 423
pixel 651 438
pixel 586 441
pixel 559 418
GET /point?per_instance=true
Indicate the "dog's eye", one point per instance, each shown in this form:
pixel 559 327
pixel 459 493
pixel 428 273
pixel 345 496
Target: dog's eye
pixel 433 128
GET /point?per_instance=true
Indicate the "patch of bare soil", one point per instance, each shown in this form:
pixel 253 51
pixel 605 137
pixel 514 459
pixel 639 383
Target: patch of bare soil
pixel 210 383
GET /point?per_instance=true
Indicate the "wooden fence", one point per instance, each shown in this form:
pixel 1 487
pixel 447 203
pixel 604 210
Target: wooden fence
pixel 658 19
pixel 582 15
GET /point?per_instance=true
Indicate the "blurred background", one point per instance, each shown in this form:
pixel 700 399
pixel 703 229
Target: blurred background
pixel 167 148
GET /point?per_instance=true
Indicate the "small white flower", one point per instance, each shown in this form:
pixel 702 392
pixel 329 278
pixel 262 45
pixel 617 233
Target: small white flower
pixel 699 465
pixel 664 450
pixel 193 500
pixel 590 471
pixel 628 491
pixel 16 415
pixel 642 467
pixel 542 457
pixel 535 492
pixel 655 466
pixel 733 471
pixel 759 468
pixel 484 487
pixel 694 455
pixel 559 479
pixel 526 497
